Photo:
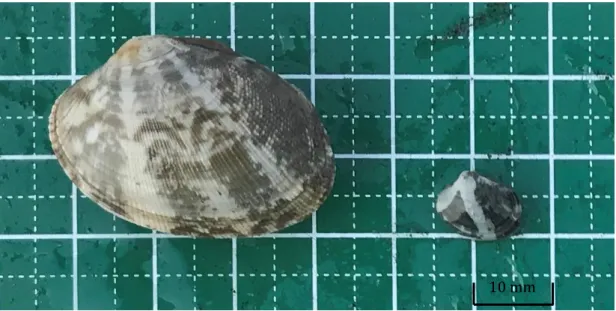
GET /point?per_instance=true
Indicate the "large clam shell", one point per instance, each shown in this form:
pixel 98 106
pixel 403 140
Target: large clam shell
pixel 188 137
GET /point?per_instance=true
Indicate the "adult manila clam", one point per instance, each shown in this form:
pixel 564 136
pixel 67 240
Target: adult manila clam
pixel 187 136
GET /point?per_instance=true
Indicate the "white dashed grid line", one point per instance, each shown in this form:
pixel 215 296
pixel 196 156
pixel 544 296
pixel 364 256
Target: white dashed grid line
pixel 356 195
pixel 409 116
pixel 511 139
pixel 590 168
pixel 34 206
pixel 353 183
pixel 300 275
pixel 114 262
pixel 432 163
pixel 272 59
pixel 392 156
pixel 331 37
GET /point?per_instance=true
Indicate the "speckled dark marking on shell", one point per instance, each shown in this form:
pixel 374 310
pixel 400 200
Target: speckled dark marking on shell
pixel 268 120
pixel 480 208
pixel 189 137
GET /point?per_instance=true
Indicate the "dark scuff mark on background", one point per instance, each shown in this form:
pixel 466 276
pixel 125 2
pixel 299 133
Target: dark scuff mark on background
pixel 494 13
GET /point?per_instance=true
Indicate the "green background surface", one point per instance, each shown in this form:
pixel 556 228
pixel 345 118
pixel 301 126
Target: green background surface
pixel 377 242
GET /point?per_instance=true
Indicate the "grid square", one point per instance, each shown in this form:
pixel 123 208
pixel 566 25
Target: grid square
pixel 575 293
pixel 92 218
pixel 498 104
pixel 572 136
pixel 109 26
pixel 448 256
pixel 52 257
pixel 530 98
pixel 276 35
pixel 24 109
pixel 16 178
pixel 16 135
pixel 357 277
pixel 210 20
pixel 513 262
pixel 37 189
pixel 447 293
pixel 493 19
pixel 303 85
pixel 43 50
pixel 420 261
pixel 602 15
pixel 359 200
pixel 576 55
pixel 577 211
pixel 584 257
pixel 583 94
pixel 118 271
pixel 418 130
pixel 50 178
pixel 35 196
pixel 495 50
pixel 533 192
pixel 42 267
pixel 304 226
pixel 93 53
pixel 194 273
pixel 417 189
pixel 586 273
pixel 36 33
pixel 352 119
pixel 48 19
pixel 572 54
pixel 345 56
pixel 16 223
pixel 344 45
pixel 575 127
pixel 431 40
pixel 275 272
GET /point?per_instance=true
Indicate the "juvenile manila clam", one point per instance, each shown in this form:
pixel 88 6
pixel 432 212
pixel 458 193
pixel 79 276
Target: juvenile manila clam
pixel 188 137
pixel 480 208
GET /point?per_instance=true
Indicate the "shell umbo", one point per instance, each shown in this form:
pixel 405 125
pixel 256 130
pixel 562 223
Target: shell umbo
pixel 480 208
pixel 187 136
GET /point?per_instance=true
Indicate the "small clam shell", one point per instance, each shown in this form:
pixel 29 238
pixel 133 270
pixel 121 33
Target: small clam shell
pixel 188 137
pixel 480 208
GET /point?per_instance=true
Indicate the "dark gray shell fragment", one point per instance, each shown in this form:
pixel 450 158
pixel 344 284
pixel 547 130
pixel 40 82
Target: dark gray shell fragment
pixel 480 208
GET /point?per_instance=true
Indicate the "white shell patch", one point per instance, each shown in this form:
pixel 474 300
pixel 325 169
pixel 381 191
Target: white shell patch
pixel 480 208
pixel 92 134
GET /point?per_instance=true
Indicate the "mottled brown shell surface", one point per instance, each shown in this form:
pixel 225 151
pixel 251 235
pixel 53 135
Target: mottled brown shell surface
pixel 186 136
